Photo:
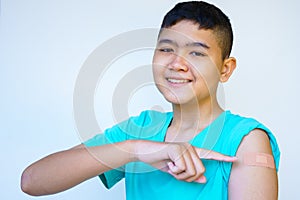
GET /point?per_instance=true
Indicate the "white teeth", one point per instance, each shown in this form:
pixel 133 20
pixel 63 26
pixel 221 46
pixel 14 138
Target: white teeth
pixel 177 81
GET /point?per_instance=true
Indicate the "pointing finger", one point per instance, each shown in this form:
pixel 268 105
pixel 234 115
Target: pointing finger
pixel 213 155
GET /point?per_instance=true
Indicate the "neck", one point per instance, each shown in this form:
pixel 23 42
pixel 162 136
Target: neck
pixel 195 115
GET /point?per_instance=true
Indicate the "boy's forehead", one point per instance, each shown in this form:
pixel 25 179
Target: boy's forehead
pixel 187 32
pixel 168 35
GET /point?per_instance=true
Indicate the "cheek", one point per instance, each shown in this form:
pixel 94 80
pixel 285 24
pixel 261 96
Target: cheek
pixel 156 58
pixel 206 70
pixel 159 64
pixel 157 71
pixel 207 76
pixel 162 59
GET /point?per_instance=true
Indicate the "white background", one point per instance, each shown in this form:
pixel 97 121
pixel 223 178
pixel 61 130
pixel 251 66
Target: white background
pixel 43 45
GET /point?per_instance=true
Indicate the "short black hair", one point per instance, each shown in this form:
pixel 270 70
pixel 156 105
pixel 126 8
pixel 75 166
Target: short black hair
pixel 208 17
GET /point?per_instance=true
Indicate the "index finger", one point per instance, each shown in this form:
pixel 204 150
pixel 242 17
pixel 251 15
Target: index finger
pixel 213 155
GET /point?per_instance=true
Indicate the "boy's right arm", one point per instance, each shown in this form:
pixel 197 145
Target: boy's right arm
pixel 63 170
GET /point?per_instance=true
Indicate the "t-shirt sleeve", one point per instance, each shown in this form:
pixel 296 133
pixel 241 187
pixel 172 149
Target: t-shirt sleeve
pixel 112 135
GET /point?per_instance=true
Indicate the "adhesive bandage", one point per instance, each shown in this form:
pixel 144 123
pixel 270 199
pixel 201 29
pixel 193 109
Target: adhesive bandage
pixel 259 159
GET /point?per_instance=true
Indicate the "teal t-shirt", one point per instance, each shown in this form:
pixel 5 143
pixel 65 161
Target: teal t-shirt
pixel 144 182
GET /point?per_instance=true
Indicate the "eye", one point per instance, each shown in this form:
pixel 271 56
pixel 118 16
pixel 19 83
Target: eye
pixel 165 50
pixel 197 53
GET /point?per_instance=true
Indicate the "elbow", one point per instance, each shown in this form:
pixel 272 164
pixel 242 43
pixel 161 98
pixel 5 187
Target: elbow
pixel 27 184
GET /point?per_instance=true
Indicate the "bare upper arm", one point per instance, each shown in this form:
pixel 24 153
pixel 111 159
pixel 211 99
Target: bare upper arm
pixel 80 146
pixel 253 182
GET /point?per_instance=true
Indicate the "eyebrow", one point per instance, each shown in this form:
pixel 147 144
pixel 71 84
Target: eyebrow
pixel 198 44
pixel 167 41
pixel 191 44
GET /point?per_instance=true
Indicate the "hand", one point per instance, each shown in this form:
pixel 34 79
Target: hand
pixel 181 160
pixel 188 165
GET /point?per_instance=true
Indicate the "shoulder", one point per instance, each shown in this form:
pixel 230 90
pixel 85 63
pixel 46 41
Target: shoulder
pixel 257 140
pixel 235 121
pixel 146 125
pixel 249 134
pixel 237 127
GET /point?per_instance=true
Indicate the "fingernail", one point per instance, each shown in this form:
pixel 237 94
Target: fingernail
pixel 232 159
pixel 202 179
pixel 170 165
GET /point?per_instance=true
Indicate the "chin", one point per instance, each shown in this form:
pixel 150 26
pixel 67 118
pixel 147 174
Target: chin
pixel 176 100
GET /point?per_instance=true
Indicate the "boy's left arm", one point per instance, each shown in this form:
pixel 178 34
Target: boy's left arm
pixel 254 175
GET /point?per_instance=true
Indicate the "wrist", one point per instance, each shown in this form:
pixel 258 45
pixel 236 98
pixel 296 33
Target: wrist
pixel 148 151
pixel 131 149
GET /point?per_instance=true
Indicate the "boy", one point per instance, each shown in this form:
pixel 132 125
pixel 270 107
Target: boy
pixel 181 154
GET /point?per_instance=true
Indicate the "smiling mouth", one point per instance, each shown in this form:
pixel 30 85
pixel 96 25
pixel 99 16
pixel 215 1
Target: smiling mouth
pixel 178 81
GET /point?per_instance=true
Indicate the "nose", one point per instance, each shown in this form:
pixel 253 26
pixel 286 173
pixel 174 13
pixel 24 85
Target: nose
pixel 179 63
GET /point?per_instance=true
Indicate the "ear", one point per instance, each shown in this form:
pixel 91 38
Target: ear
pixel 228 67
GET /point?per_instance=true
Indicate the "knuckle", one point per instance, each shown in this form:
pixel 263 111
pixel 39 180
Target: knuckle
pixel 178 149
pixel 202 170
pixel 192 172
pixel 181 168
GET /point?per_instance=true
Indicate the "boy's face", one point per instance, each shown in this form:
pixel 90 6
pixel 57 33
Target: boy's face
pixel 187 63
